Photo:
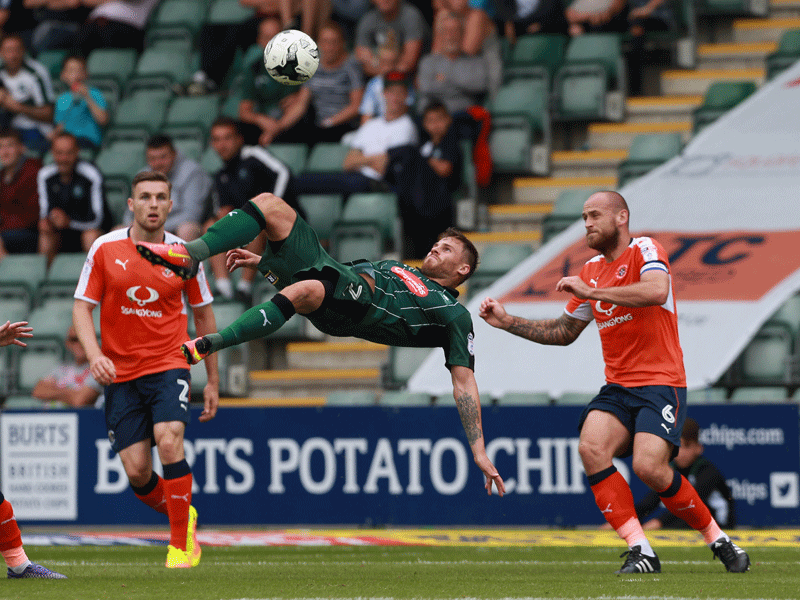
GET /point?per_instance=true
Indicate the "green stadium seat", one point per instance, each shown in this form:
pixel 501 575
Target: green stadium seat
pixel 789 313
pixel 763 394
pixel 765 360
pixel 648 151
pixel 189 145
pixel 403 362
pixel 15 310
pixel 322 212
pixel 163 65
pixel 227 12
pixel 210 161
pixel 121 159
pixel 524 399
pixel 192 112
pixel 370 221
pixel 21 274
pixel 143 110
pixel 115 64
pixel 34 364
pixel 53 60
pixel 356 241
pixel 756 8
pixel 293 156
pixel 496 261
pixel 174 19
pixel 543 52
pixel 62 277
pixel 399 398
pixel 712 395
pixel 786 55
pixel 590 84
pixel 326 157
pixel 50 322
pixel 118 190
pixel 351 398
pixel 719 99
pixel 567 208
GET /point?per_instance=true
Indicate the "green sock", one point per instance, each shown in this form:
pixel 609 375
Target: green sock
pixel 257 322
pixel 235 229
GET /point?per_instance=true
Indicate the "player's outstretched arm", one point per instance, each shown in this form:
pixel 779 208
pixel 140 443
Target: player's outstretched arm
pixel 102 368
pixel 555 332
pixel 465 392
pixel 205 323
pixel 11 332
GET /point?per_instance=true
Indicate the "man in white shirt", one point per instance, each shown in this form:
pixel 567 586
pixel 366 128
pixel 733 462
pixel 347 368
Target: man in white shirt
pixel 366 167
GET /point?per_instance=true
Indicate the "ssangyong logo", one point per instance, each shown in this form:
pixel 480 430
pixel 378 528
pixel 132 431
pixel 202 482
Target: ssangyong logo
pixel 137 297
pixel 412 282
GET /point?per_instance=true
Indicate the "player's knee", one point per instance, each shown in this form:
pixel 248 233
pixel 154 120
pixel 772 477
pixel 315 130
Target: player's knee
pixel 651 473
pixel 593 455
pixel 269 204
pixel 306 296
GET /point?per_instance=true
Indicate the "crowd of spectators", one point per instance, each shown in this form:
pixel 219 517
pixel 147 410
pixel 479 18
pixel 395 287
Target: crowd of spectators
pixel 400 82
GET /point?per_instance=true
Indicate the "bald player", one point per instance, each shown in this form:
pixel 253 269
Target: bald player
pixel 627 290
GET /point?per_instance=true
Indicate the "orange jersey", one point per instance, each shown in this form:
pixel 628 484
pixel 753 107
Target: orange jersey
pixel 143 308
pixel 640 344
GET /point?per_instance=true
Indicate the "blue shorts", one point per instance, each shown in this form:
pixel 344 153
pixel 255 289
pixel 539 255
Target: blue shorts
pixel 132 407
pixel 656 409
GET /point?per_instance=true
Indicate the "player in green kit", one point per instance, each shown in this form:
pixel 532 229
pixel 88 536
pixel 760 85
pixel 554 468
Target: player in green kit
pixel 384 301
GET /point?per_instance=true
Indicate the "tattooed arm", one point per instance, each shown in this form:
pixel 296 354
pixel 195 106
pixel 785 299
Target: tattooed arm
pixel 465 392
pixel 557 332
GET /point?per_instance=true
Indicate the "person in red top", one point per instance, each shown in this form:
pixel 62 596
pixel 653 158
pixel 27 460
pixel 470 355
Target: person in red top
pixel 627 290
pixel 143 312
pixel 19 197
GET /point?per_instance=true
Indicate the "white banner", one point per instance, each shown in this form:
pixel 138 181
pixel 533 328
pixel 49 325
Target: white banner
pixel 726 213
pixel 39 468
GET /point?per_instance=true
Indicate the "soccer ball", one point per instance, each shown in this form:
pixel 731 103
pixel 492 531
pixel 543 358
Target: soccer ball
pixel 291 57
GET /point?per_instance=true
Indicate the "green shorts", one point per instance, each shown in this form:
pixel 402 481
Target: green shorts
pixel 301 257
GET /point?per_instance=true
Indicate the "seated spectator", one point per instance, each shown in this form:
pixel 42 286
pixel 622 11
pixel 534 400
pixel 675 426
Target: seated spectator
pixel 247 172
pixel 366 167
pixel 348 13
pixel 327 103
pixel 191 187
pixel 264 100
pixel 529 16
pixel 19 197
pixel 26 97
pixel 82 110
pixel 57 23
pixel 71 382
pixel 114 24
pixel 591 16
pixel 72 208
pixel 644 16
pixel 305 15
pixel 373 103
pixel 425 189
pixel 392 21
pixel 16 18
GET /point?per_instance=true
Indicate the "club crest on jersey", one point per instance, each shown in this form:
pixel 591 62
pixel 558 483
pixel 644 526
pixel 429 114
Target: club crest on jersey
pixel 622 271
pixel 271 277
pixel 412 282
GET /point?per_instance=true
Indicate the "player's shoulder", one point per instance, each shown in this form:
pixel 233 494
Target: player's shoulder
pixel 110 239
pixel 649 249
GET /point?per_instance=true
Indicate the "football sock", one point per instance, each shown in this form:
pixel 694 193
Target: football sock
pixel 244 286
pixel 11 538
pixel 683 501
pixel 224 287
pixel 257 322
pixel 152 493
pixel 178 494
pixel 615 500
pixel 238 228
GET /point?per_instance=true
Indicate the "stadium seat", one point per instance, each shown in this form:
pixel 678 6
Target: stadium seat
pixel 14 310
pixel 210 161
pixel 511 142
pixel 176 20
pixel 404 398
pixel 567 208
pixel 118 191
pixel 749 395
pixel 786 55
pixel 351 398
pixel 34 364
pixel 403 362
pixel 115 64
pixel 322 212
pixel 53 60
pixel 228 12
pixel 50 322
pixel 326 157
pixel 545 51
pixel 524 399
pixel 193 113
pixel 765 360
pixel 21 274
pixel 143 110
pixel 711 395
pixel 789 313
pixel 121 159
pixel 163 65
pixel 719 99
pixel 356 241
pixel 756 8
pixel 648 151
pixel 369 221
pixel 62 276
pixel 496 260
pixel 293 156
pixel 189 145
pixel 590 84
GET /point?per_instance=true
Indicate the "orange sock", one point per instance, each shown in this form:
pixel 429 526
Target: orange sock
pixel 615 500
pixel 682 500
pixel 153 494
pixel 10 536
pixel 178 494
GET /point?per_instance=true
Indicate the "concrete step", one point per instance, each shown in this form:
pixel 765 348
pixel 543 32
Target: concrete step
pixel 763 30
pixel 590 163
pixel 620 135
pixel 661 109
pixel 745 55
pixel 546 189
pixel 784 9
pixel 353 354
pixel 311 382
pixel 682 82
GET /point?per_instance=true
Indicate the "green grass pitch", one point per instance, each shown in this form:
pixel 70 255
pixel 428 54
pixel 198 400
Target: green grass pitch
pixel 125 573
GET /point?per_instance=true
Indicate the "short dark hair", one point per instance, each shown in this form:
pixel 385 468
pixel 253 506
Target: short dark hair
pixel 10 132
pixel 150 176
pixel 78 57
pixel 160 140
pixel 435 106
pixel 469 248
pixel 227 122
pixel 691 430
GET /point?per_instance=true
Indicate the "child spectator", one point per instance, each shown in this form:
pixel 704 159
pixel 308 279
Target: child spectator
pixel 373 104
pixel 82 110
